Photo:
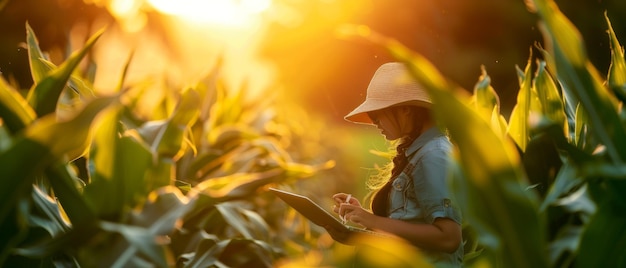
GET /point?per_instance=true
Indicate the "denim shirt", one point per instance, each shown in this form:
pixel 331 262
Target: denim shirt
pixel 420 194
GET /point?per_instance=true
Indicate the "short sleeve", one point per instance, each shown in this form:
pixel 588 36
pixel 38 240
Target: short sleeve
pixel 429 179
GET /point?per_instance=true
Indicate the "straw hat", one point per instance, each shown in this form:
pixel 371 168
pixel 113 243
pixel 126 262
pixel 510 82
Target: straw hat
pixel 391 85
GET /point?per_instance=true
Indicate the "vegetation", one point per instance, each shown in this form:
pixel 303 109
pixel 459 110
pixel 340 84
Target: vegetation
pixel 179 179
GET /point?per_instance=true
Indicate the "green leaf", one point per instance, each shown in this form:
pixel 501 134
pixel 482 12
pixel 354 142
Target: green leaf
pixel 246 253
pixel 54 134
pixel 15 230
pixel 519 128
pixel 47 214
pixel 568 98
pixel 119 165
pixel 566 180
pixel 147 231
pixel 246 222
pixel 582 136
pixel 616 76
pixel 580 77
pixel 486 98
pixel 19 165
pixel 76 237
pixel 565 244
pixel 14 109
pixel 44 95
pixel 37 68
pixel 237 186
pixel 66 190
pixel 42 144
pixel 139 239
pixel 549 97
pixel 163 209
pixel 167 138
pixel 75 83
pixel 207 254
pixel 601 244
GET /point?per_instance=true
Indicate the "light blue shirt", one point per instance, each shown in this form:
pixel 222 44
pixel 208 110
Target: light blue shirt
pixel 420 193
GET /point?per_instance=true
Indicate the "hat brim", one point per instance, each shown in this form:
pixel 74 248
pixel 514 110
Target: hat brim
pixel 359 114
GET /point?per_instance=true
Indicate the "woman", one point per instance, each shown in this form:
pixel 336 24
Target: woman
pixel 412 201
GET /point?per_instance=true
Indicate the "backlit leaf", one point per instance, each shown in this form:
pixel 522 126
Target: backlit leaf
pixel 616 77
pixel 38 69
pixel 519 121
pixel 44 95
pixel 549 97
pixel 583 80
pixel 119 168
pixel 42 144
pixel 14 109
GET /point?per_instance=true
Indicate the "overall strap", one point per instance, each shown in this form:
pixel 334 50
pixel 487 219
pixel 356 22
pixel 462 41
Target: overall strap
pixel 410 166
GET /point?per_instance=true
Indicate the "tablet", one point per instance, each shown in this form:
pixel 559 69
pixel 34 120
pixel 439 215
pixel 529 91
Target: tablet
pixel 314 212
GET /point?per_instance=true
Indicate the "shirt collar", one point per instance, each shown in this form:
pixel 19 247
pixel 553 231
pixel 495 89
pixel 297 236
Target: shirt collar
pixel 428 135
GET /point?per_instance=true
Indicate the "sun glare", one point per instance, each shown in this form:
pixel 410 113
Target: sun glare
pixel 224 12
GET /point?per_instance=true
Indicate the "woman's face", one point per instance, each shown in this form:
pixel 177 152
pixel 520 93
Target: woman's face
pixel 388 123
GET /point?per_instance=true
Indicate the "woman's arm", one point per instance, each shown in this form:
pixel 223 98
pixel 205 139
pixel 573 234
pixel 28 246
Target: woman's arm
pixel 442 235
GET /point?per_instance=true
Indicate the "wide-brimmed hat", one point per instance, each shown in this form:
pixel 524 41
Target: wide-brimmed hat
pixel 391 85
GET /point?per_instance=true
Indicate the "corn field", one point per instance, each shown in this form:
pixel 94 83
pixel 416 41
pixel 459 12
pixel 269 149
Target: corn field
pixel 180 180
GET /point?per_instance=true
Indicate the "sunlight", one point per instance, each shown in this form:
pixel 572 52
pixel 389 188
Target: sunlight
pixel 224 12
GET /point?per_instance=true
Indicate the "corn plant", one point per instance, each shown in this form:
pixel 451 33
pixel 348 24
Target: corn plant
pixel 91 180
pixel 544 188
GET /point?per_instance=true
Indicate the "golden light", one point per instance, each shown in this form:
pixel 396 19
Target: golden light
pixel 198 33
pixel 224 12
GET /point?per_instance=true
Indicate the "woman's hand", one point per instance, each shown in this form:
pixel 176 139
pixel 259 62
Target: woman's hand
pixel 339 235
pixel 350 209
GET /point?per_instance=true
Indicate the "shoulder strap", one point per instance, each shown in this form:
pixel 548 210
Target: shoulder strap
pixel 411 165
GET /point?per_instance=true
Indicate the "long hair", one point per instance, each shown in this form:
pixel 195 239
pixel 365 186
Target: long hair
pixel 379 183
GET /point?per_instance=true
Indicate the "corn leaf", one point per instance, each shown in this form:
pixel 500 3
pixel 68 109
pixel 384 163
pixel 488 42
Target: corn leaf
pixel 565 181
pixel 245 252
pixel 42 144
pixel 119 169
pixel 75 82
pixel 249 227
pixel 66 190
pixel 47 214
pixel 207 254
pixel 518 122
pixel 158 218
pixel 603 237
pixel 231 253
pixel 237 186
pixel 140 240
pixel 487 102
pixel 170 142
pixel 486 97
pixel 549 97
pixel 43 96
pixel 616 76
pixel 582 136
pixel 583 80
pixel 569 100
pixel 14 110
pixel 38 69
pixel 167 137
pixel 72 239
pixel 14 231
